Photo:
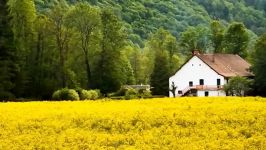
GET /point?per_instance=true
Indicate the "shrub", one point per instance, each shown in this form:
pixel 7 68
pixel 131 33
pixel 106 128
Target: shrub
pixel 145 94
pixel 65 94
pixel 84 94
pixel 89 94
pixel 238 86
pixel 120 92
pixel 56 95
pixel 94 94
pixel 131 94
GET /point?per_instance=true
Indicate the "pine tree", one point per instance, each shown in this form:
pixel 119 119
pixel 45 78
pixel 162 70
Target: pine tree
pixel 8 65
pixel 160 75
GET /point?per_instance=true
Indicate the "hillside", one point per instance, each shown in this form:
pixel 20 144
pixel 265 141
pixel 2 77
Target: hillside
pixel 143 17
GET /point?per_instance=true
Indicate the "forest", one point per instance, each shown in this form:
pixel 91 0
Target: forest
pixel 48 45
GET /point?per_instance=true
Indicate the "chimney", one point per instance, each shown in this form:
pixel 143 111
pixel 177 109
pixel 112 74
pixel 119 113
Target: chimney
pixel 195 52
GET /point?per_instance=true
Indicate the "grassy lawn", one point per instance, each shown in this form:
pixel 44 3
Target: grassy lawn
pixel 181 123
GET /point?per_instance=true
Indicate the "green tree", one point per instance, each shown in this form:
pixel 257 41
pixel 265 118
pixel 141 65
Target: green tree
pixel 112 68
pixel 137 60
pixel 62 35
pixel 23 15
pixel 127 73
pixel 163 40
pixel 8 64
pixel 86 20
pixel 217 30
pixel 44 60
pixel 160 75
pixel 238 86
pixel 236 39
pixel 259 65
pixel 195 38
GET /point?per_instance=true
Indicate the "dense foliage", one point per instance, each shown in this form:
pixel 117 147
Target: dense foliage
pixel 65 94
pixel 260 65
pixel 183 123
pixel 238 86
pixel 8 61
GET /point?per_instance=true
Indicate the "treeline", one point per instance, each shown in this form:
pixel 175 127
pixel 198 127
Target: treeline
pixel 79 46
pixel 84 46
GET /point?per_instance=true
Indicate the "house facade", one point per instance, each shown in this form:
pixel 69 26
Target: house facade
pixel 206 74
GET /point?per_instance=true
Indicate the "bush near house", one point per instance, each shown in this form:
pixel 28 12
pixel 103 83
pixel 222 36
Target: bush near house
pixel 130 93
pixel 238 86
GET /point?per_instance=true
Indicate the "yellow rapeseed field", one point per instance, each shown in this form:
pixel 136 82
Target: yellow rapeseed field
pixel 181 123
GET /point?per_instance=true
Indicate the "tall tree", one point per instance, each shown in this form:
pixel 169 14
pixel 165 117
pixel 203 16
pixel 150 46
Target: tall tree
pixel 160 75
pixel 8 64
pixel 163 40
pixel 217 30
pixel 112 67
pixel 195 38
pixel 236 39
pixel 23 14
pixel 161 52
pixel 137 60
pixel 44 60
pixel 260 65
pixel 86 20
pixel 62 36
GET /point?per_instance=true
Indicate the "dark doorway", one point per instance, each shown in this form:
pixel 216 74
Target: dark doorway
pixel 201 82
pixel 206 93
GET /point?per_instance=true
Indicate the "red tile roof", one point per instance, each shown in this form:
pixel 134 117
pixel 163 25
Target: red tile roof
pixel 227 65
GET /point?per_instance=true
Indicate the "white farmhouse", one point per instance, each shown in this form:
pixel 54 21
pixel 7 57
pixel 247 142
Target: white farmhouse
pixel 206 74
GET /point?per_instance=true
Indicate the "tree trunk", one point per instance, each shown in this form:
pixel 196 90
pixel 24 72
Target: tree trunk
pixel 89 81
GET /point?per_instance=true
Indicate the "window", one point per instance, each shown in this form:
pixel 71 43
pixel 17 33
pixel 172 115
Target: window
pixel 179 92
pixel 190 83
pixel 201 81
pixel 206 93
pixel 218 83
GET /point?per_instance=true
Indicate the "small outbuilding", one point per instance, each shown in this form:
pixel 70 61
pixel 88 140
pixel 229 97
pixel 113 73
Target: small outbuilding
pixel 206 74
